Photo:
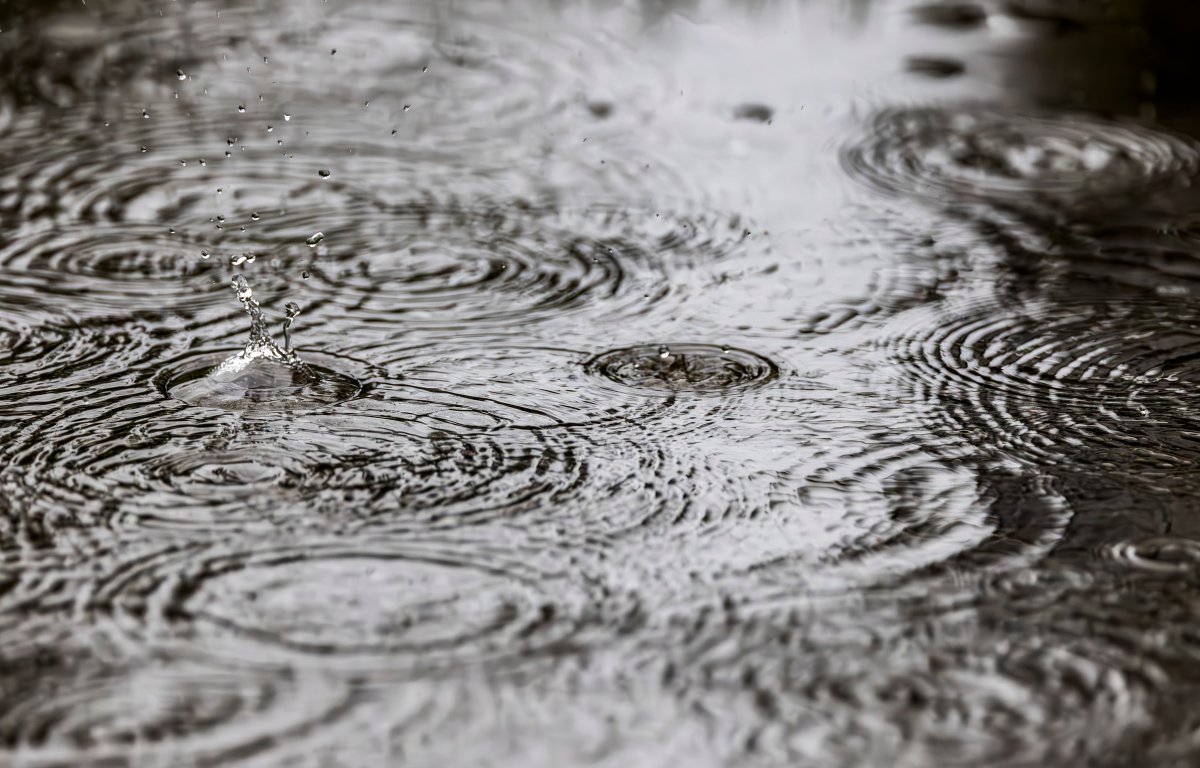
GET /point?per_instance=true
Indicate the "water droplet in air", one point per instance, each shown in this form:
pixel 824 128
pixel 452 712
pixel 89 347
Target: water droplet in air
pixel 407 107
pixel 324 174
pixel 180 74
pixel 254 216
pixel 241 107
pixel 270 128
pixel 145 114
pixel 305 274
pixel 144 149
pixel 315 239
pixel 286 117
pixel 202 161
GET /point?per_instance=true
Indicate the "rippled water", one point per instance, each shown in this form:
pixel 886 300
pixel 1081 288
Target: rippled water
pixel 655 383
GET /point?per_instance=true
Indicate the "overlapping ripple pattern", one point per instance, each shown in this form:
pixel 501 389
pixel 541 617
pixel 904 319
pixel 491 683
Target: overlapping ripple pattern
pixel 652 412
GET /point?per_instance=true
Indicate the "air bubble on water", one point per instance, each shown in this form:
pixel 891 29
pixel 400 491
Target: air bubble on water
pixel 664 352
pixel 305 274
pixel 202 161
pixel 324 174
pixel 407 107
pixel 241 107
pixel 145 114
pixel 254 216
pixel 239 259
pixel 286 117
pixel 424 70
pixel 144 148
pixel 180 74
pixel 270 128
pixel 203 254
pixel 315 239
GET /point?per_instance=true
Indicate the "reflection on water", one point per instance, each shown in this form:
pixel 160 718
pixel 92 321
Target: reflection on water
pixel 701 383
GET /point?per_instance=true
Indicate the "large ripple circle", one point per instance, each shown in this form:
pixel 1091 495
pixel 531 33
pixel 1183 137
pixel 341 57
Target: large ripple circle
pixel 951 155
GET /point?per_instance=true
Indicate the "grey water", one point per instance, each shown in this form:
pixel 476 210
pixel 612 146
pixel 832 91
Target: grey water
pixel 602 383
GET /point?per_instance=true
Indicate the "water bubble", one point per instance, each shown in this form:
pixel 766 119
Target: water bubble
pixel 324 174
pixel 241 107
pixel 144 149
pixel 203 254
pixel 270 128
pixel 315 239
pixel 239 259
pixel 407 107
pixel 180 74
pixel 254 216
pixel 145 114
pixel 305 274
pixel 286 117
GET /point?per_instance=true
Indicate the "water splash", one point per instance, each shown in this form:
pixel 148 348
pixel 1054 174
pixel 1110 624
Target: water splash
pixel 263 364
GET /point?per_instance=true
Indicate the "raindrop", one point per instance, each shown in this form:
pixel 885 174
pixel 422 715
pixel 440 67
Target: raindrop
pixel 241 258
pixel 254 216
pixel 145 114
pixel 241 107
pixel 324 174
pixel 315 239
pixel 407 107
pixel 305 274
pixel 203 254
pixel 180 74
pixel 270 128
pixel 286 117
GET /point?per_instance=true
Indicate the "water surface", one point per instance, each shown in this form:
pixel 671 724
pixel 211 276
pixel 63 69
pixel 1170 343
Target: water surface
pixel 664 383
